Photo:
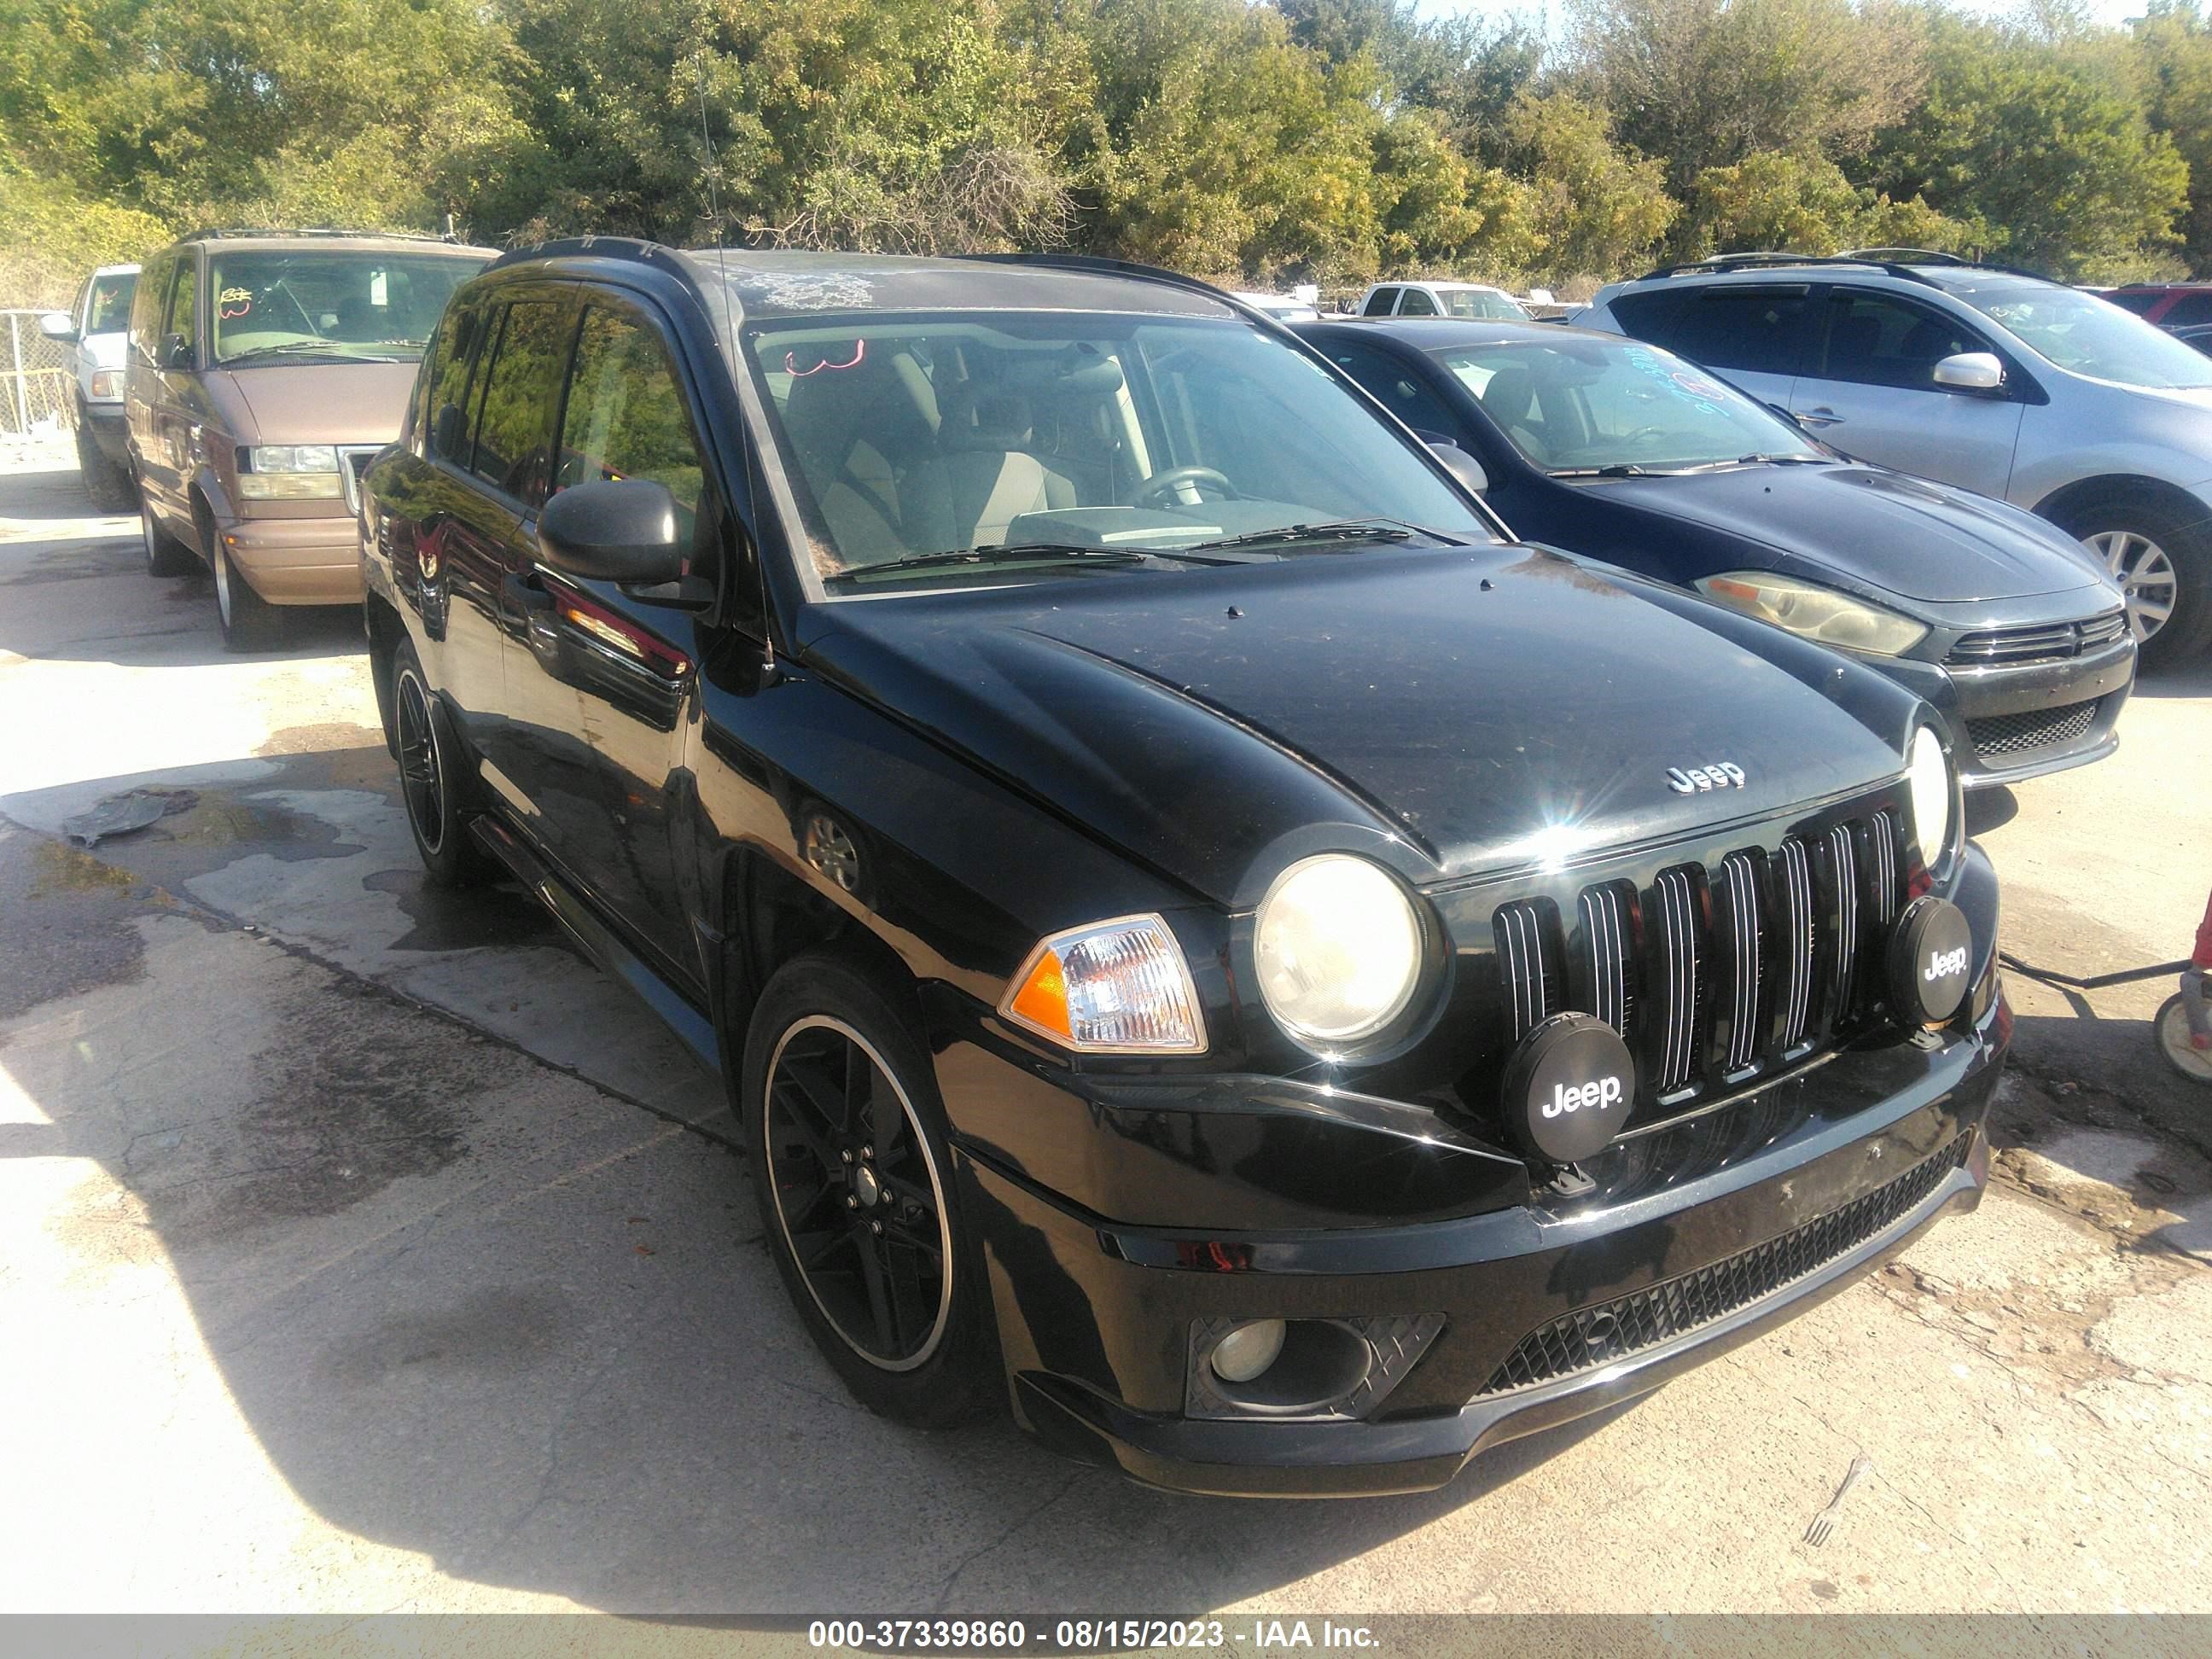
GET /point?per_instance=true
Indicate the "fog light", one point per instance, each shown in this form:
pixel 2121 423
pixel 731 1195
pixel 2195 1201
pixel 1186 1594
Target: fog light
pixel 1248 1351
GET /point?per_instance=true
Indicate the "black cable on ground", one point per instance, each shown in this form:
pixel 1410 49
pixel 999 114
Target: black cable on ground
pixel 2163 970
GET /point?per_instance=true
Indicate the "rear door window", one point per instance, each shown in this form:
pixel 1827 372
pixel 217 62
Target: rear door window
pixel 1760 330
pixel 515 423
pixel 443 410
pixel 1879 339
pixel 1397 388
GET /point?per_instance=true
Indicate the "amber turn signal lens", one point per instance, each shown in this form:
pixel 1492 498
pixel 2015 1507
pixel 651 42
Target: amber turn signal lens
pixel 1113 987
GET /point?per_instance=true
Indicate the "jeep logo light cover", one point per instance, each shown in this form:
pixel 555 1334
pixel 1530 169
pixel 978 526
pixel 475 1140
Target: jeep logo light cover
pixel 1569 1085
pixel 1930 962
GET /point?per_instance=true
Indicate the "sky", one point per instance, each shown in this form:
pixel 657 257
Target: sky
pixel 1550 11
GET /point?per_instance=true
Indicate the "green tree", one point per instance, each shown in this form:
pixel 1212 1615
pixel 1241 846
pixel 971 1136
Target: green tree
pixel 2042 145
pixel 2174 45
pixel 1776 199
pixel 1600 208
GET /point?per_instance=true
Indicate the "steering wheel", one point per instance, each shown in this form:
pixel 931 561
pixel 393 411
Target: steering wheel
pixel 1178 487
pixel 1643 435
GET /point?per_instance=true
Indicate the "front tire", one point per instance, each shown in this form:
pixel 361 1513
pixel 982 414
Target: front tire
pixel 2164 566
pixel 249 621
pixel 853 1168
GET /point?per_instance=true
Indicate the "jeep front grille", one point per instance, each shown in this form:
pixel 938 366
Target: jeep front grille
pixel 1599 1335
pixel 1713 975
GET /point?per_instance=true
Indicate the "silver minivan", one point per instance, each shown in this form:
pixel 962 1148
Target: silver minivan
pixel 1994 380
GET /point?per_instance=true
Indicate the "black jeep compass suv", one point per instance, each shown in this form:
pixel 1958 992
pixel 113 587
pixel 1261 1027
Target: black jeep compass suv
pixel 1209 941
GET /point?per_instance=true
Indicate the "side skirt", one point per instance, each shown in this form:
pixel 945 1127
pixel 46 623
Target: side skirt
pixel 599 943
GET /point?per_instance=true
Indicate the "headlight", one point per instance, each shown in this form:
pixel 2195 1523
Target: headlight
pixel 1113 987
pixel 106 385
pixel 1338 946
pixel 1930 779
pixel 288 472
pixel 1815 613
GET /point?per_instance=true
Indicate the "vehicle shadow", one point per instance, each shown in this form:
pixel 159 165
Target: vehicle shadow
pixel 1990 809
pixel 472 1308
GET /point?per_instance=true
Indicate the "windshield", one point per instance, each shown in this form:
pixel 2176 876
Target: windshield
pixel 108 310
pixel 2087 335
pixel 1581 404
pixel 1009 445
pixel 1475 302
pixel 331 302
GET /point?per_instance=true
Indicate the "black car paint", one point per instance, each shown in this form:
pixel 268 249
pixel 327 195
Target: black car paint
pixel 1013 762
pixel 1958 562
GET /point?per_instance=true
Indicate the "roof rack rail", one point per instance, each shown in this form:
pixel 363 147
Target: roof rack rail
pixel 1879 258
pixel 216 234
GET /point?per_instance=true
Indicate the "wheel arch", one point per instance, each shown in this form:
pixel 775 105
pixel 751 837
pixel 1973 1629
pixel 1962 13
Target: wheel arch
pixel 385 630
pixel 2128 487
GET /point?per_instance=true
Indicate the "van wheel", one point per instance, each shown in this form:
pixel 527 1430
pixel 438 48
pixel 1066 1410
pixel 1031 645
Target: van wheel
pixel 2164 568
pixel 108 484
pixel 854 1171
pixel 249 621
pixel 165 555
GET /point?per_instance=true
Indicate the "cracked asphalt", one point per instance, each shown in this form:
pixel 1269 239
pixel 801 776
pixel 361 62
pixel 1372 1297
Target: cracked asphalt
pixel 361 1249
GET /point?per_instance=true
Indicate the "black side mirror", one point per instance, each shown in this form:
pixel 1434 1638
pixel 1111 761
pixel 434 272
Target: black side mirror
pixel 619 529
pixel 1456 461
pixel 176 351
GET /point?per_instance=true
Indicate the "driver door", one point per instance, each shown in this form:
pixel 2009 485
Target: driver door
pixel 1869 388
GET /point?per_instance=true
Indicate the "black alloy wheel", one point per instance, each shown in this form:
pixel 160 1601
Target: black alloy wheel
pixel 854 1180
pixel 430 778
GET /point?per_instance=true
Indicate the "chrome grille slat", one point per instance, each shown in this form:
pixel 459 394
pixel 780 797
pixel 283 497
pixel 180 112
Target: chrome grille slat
pixel 1678 929
pixel 2037 641
pixel 1882 832
pixel 1843 869
pixel 1605 926
pixel 1741 876
pixel 1521 955
pixel 1797 932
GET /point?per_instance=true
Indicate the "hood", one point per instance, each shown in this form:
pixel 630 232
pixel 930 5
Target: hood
pixel 104 350
pixel 1885 534
pixel 319 403
pixel 1449 712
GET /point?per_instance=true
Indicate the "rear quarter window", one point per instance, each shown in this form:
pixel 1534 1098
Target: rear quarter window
pixel 1760 330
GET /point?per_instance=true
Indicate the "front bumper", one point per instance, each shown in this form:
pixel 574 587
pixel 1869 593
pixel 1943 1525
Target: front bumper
pixel 1705 1232
pixel 304 561
pixel 2009 722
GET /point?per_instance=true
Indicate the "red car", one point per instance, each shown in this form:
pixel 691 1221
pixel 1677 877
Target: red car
pixel 2170 304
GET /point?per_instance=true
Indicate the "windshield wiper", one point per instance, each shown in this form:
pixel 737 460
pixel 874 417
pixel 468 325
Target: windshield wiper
pixel 1000 553
pixel 279 349
pixel 1616 470
pixel 1347 530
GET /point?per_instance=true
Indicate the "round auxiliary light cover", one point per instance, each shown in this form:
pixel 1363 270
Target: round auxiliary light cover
pixel 1931 953
pixel 1569 1085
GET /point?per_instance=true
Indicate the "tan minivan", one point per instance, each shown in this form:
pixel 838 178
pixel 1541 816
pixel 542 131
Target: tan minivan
pixel 263 369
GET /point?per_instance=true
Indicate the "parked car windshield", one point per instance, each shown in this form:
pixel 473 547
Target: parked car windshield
pixel 108 311
pixel 2087 335
pixel 1473 302
pixel 331 302
pixel 1129 438
pixel 1586 404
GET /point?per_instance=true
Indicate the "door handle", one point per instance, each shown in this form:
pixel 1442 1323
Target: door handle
pixel 1819 414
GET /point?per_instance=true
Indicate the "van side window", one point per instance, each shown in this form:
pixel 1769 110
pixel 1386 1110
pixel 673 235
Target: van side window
pixel 184 303
pixel 514 424
pixel 627 418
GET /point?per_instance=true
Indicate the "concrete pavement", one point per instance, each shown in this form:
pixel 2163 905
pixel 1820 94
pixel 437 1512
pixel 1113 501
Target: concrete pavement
pixel 372 1252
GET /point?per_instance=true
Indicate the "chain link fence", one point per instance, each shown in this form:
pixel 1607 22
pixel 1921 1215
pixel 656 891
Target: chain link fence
pixel 35 397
